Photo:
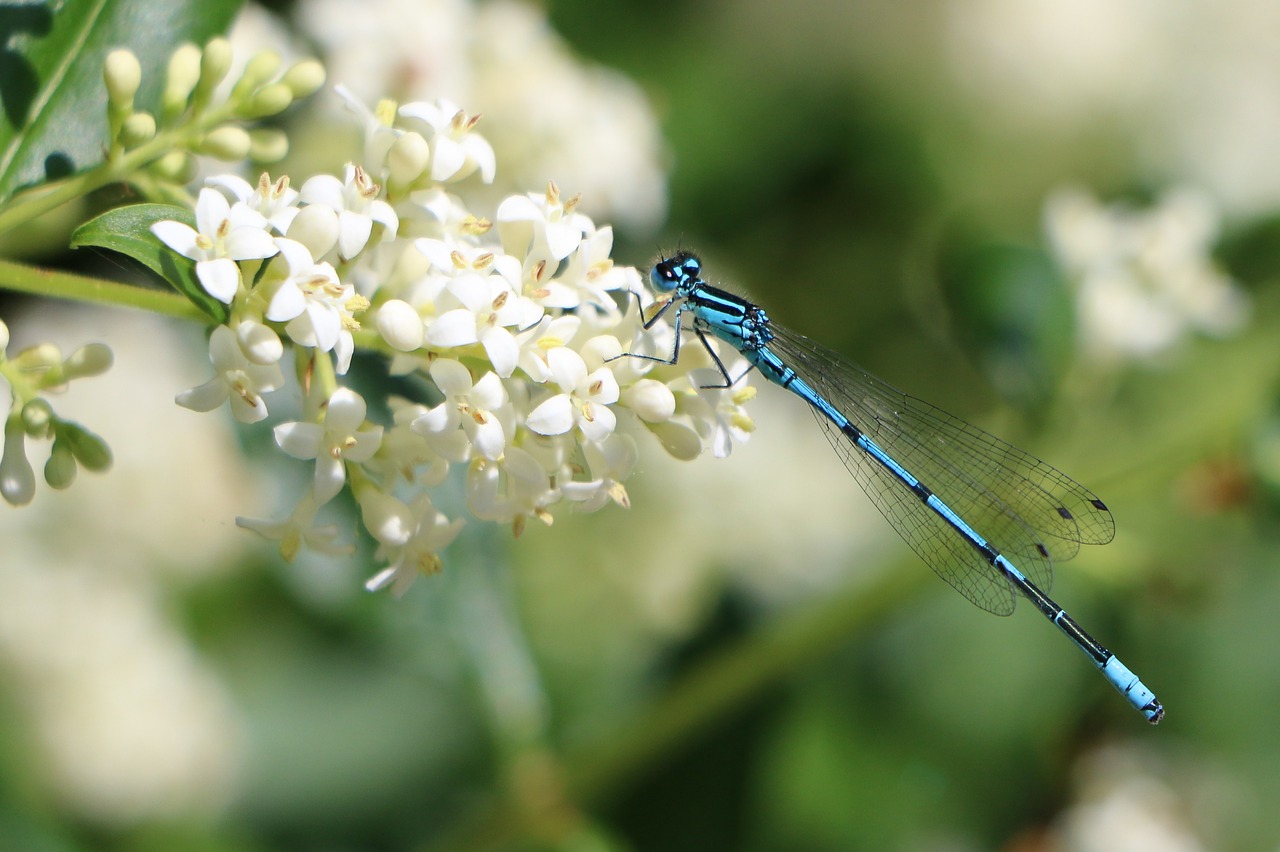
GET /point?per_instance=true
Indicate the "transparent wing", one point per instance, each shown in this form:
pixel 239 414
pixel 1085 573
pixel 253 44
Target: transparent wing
pixel 1028 510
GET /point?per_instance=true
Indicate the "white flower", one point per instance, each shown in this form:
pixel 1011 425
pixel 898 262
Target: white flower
pixel 611 462
pixel 237 378
pixel 488 308
pixel 340 440
pixel 276 202
pixel 541 226
pixel 223 235
pixel 717 412
pixel 512 489
pixel 297 529
pixel 404 454
pixel 356 202
pixel 550 333
pixel 477 409
pixel 319 308
pixel 455 150
pixel 1145 278
pixel 419 554
pixel 584 401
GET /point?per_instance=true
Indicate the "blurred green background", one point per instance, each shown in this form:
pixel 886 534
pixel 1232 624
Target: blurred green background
pixel 748 658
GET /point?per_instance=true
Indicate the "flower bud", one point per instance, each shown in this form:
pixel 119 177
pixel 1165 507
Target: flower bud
pixel 92 359
pixel 180 79
pixel 259 343
pixel 407 158
pixel 60 469
pixel 316 227
pixel 269 100
pixel 268 145
pixel 175 166
pixel 386 518
pixel 137 128
pixel 122 75
pixel 228 143
pixel 304 78
pixel 400 325
pixel 652 401
pixel 90 450
pixel 4 338
pixel 215 62
pixel 260 68
pixel 17 479
pixel 37 418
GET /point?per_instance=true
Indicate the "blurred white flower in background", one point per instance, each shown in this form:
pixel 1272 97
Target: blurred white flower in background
pixel 1193 87
pixel 548 115
pixel 1145 278
pixel 127 721
pixel 1122 803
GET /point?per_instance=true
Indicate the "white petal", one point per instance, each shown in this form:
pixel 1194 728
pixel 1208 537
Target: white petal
pixel 367 442
pixel 353 233
pixel 323 189
pixel 286 302
pixel 517 208
pixel 503 350
pixel 600 424
pixel 331 475
pixel 300 440
pixel 177 236
pixel 251 410
pixel 453 328
pixel 553 417
pixel 562 239
pixel 343 349
pixel 212 209
pixel 489 439
pixel 250 244
pixel 567 367
pixel 481 152
pixel 326 324
pixel 436 420
pixel 602 386
pixel 220 278
pixel 448 158
pixel 233 185
pixel 489 393
pixel 451 377
pixel 206 397
pixel 345 412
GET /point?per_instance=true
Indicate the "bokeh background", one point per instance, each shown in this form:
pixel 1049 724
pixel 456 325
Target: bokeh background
pixel 1057 220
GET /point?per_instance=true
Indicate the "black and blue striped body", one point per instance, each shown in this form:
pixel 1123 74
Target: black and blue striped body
pixel 926 470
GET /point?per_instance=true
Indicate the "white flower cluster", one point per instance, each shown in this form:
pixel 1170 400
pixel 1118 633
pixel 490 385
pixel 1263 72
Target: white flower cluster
pixel 520 328
pixel 1145 278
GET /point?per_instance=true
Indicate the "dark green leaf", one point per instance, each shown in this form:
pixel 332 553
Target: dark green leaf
pixel 128 231
pixel 54 102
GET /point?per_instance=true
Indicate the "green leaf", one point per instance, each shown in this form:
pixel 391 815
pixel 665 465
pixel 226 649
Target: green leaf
pixel 53 121
pixel 128 231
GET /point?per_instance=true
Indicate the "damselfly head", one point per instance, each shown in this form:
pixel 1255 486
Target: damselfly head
pixel 682 269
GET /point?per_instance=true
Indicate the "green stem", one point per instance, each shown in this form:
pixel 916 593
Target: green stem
pixel 708 692
pixel 42 199
pixel 20 278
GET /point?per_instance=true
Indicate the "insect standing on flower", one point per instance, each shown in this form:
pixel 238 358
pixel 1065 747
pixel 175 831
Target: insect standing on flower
pixel 971 505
